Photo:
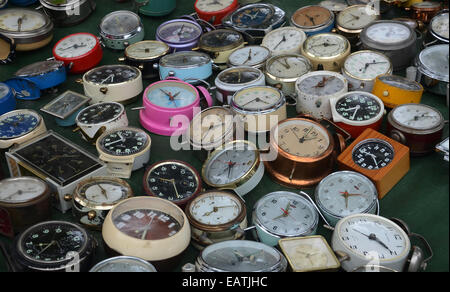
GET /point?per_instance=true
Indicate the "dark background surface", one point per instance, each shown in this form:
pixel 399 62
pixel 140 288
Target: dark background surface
pixel 421 198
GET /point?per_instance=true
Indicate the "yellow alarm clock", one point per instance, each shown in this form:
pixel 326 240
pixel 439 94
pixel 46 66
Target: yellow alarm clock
pixel 396 90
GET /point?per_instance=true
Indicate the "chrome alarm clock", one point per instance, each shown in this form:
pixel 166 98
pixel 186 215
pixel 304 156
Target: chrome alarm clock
pixel 120 29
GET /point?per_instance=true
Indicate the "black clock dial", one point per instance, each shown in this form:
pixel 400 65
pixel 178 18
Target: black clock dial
pixel 60 160
pixel 124 142
pixel 358 107
pixel 172 180
pixel 373 154
pixel 51 242
pixel 100 113
pixel 112 74
pixel 238 76
pixel 220 38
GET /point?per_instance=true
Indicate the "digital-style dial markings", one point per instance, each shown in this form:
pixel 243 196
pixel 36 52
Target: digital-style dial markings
pixel 76 45
pixel 358 107
pixel 373 154
pixel 124 142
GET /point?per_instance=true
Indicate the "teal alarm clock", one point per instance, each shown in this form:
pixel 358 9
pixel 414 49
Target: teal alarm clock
pixel 157 7
pixel 7 99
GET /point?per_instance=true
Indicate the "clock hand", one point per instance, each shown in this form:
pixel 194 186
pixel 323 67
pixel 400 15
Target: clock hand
pixel 323 82
pixel 48 246
pixel 103 191
pixel 248 59
pixel 176 190
pixel 111 143
pixel 282 41
pixel 303 139
pixel 210 129
pixel 311 19
pixel 147 229
pixel 356 111
pixel 75 46
pixel 109 77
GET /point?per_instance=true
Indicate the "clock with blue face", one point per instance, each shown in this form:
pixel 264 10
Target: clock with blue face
pixel 172 95
pixel 18 123
pixel 253 16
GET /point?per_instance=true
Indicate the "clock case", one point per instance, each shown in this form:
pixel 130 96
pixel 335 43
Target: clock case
pixel 323 28
pixel 20 166
pixel 8 102
pixel 68 14
pixel 8 53
pixel 216 17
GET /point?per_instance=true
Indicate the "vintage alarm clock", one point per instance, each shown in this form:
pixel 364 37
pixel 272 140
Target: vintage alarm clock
pixel 214 11
pixel 24 89
pixel 396 90
pixel 326 50
pixel 418 126
pixel 306 152
pixel 383 160
pixel 120 29
pixel 29 28
pixel 24 202
pixel 66 107
pixel 356 111
pixel 425 11
pixel 353 19
pixel 164 100
pixel 216 216
pixel 124 150
pixel 433 68
pixel 94 197
pixel 173 180
pixel 315 89
pixel 145 55
pixel 123 264
pixel 45 74
pixel 118 83
pixel 57 161
pixel 284 40
pixel 156 8
pixel 94 120
pixel 179 34
pixel 19 126
pixel 251 56
pixel 187 66
pixel 313 19
pixel 80 52
pixel 439 27
pixel 137 223
pixel 7 99
pixel 69 12
pixel 334 5
pixel 7 49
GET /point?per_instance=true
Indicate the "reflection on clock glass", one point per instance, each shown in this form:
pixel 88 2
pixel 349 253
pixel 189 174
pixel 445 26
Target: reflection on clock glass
pixel 179 32
pixel 104 191
pixel 124 142
pixel 373 154
pixel 66 104
pixel 183 59
pixel 39 68
pixel 358 107
pixel 29 20
pixel 253 16
pixel 112 74
pixel 220 38
pixel 321 85
pixel 100 113
pixel 238 76
pixel 120 23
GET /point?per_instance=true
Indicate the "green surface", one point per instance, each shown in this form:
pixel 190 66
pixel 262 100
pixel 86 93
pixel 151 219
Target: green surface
pixel 421 198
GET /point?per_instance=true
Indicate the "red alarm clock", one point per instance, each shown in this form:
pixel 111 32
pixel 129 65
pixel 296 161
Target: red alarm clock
pixel 214 10
pixel 82 51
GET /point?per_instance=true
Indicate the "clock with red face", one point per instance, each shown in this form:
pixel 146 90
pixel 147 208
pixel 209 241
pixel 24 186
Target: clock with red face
pixel 81 51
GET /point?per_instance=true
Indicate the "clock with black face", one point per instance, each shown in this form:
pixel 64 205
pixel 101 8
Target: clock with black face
pixel 100 113
pixel 172 180
pixel 373 154
pixel 124 142
pixel 58 158
pixel 220 38
pixel 358 107
pixel 239 75
pixel 112 74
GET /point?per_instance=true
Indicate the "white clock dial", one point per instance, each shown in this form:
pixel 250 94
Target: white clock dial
pixel 21 190
pixel 76 45
pixel 249 56
pixel 388 33
pixel 20 20
pixel 439 25
pixel 257 98
pixel 104 193
pixel 417 116
pixel 367 65
pixel 325 45
pixel 356 17
pixel 213 5
pixel 288 66
pixel 321 85
pixel 334 5
pixel 146 50
pixel 215 209
pixel 284 40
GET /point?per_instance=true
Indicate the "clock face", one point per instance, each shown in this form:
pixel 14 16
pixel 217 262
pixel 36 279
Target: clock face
pixel 220 38
pixel 358 107
pixel 239 76
pixel 50 242
pixel 321 85
pixel 363 234
pixel 302 138
pixel 345 193
pixel 179 32
pixel 100 113
pixel 185 59
pixel 112 74
pixel 388 32
pixel 249 56
pixel 286 214
pixel 146 50
pixel 39 68
pixel 439 25
pixel 103 191
pixel 326 45
pixel 18 123
pixel 21 20
pixel 288 66
pixel 4 90
pixel 172 180
pixel 21 190
pixel 312 16
pixel 60 160
pixel 373 154
pixel 214 123
pixel 120 23
pixel 216 208
pixel 257 98
pixel 230 164
pixel 124 142
pixel 401 82
pixel 367 65
pixel 123 264
pixel 146 224
pixel 334 5
pixel 417 116
pixel 356 17
pixel 287 39
pixel 66 104
pixel 172 95
pixel 213 5
pixel 76 45
pixel 253 16
pixel 435 60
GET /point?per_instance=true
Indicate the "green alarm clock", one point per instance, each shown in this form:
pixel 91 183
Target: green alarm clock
pixel 156 7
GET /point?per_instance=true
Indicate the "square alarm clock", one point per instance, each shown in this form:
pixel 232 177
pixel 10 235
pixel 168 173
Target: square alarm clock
pixel 383 160
pixel 57 161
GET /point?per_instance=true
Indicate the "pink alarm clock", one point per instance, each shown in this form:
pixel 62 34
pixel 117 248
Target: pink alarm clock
pixel 169 105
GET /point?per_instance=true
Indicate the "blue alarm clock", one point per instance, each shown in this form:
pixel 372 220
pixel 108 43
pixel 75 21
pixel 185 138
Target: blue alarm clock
pixel 23 2
pixel 45 74
pixel 18 123
pixel 7 99
pixel 187 66
pixel 24 89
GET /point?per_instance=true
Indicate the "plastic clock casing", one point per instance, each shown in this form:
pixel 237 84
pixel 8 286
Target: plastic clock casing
pixel 324 28
pixel 395 96
pixel 48 79
pixel 8 102
pixel 178 47
pixel 187 73
pixel 216 15
pixel 355 128
pixel 84 62
pixel 158 119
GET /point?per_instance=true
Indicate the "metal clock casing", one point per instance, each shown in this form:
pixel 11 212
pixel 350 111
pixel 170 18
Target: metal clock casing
pixel 252 56
pixel 179 34
pixel 70 12
pixel 220 43
pixel 66 107
pixel 439 27
pixel 123 264
pixel 187 66
pixel 326 20
pixel 122 32
pixel 433 69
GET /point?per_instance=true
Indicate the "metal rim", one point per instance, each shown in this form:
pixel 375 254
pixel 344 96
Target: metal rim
pixel 84 101
pixel 122 112
pixel 388 47
pixel 414 131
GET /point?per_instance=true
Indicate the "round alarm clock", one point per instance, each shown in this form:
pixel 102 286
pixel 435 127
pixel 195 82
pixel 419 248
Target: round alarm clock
pixel 395 90
pixel 353 19
pixel 123 264
pixel 220 43
pixel 164 100
pixel 7 99
pixel 252 56
pixel 80 52
pixel 24 88
pixel 179 34
pixel 313 19
pixel 214 11
pixel 68 12
pixel 433 68
pixel 439 27
pixel 45 74
pixel 284 40
pixel 120 29
pixel 187 66
pixel 7 49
